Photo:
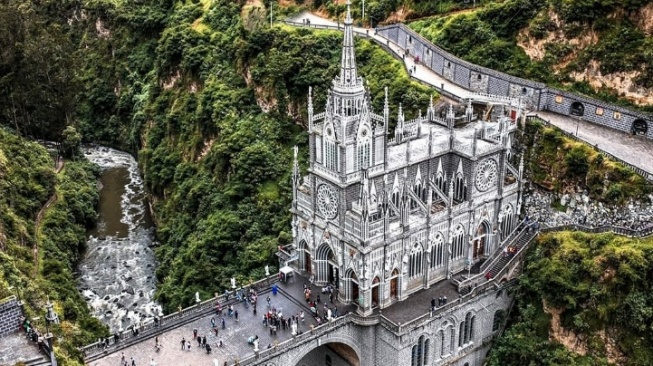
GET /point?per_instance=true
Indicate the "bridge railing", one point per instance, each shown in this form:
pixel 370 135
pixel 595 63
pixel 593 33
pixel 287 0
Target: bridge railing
pixel 149 328
pixel 646 175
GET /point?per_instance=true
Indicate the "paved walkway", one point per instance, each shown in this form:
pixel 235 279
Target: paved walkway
pixel 15 347
pixel 633 150
pixel 289 300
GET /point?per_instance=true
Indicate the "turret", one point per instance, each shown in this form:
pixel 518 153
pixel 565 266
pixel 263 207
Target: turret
pixel 469 111
pixel 310 109
pixel 399 130
pixel 430 111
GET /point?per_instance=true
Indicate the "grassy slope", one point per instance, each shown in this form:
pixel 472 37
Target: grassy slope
pixel 27 180
pixel 600 284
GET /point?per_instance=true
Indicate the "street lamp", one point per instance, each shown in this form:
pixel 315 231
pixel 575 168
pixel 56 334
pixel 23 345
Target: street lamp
pixel 577 124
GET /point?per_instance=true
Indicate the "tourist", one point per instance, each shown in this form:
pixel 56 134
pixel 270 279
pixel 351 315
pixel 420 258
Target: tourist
pixel 301 315
pixel 122 358
pixel 433 304
pixel 204 342
pixel 212 322
pixel 216 331
pixel 236 315
pixel 444 300
pixel 208 349
pixel 152 363
pixel 188 346
pixel 268 300
pixel 223 323
pixel 133 361
pixel 199 341
pixel 194 333
pixel 183 344
pixel 318 298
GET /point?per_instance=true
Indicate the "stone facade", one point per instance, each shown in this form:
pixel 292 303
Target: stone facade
pixel 10 313
pixel 535 95
pixel 381 218
pixel 458 337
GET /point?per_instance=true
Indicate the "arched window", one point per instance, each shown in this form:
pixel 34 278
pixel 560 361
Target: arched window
pixel 440 182
pixel 457 242
pixel 427 351
pixel 419 353
pixel 460 188
pixel 437 251
pixel 443 342
pixel 363 153
pixel 499 318
pixel 466 334
pixel 330 149
pixel 415 261
pixel 506 223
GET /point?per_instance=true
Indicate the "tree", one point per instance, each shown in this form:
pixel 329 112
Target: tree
pixel 71 140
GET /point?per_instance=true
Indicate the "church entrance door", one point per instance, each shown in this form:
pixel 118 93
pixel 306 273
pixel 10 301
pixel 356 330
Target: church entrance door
pixel 307 262
pixel 375 292
pixel 479 241
pixel 393 284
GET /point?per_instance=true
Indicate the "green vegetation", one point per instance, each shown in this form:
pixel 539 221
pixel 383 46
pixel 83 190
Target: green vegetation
pixel 606 31
pixel 600 288
pixel 561 163
pixel 40 266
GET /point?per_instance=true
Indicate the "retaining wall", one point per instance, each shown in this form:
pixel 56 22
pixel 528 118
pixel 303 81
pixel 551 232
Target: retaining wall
pixel 534 94
pixel 10 313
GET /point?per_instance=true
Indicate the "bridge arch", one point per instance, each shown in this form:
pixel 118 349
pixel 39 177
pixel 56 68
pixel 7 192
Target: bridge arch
pixel 341 346
pixel 640 127
pixel 577 109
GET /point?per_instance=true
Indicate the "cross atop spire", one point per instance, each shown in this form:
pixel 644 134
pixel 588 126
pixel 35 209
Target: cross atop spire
pixel 348 73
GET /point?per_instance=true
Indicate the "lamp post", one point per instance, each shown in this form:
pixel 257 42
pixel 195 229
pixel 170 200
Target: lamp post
pixel 577 124
pixel 270 13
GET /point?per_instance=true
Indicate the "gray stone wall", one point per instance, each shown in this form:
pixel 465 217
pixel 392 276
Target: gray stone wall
pixel 10 313
pixel 535 95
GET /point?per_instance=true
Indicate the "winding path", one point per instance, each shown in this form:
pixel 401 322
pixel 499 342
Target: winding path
pixel 634 150
pixel 39 217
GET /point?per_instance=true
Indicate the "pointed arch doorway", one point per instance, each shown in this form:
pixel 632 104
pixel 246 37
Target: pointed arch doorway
pixel 375 291
pixel 327 266
pixel 480 239
pixel 394 284
pixel 352 286
pixel 304 257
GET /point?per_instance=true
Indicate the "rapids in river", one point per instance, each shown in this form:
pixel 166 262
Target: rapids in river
pixel 116 273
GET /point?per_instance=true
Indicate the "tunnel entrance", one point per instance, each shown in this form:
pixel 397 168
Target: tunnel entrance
pixel 331 354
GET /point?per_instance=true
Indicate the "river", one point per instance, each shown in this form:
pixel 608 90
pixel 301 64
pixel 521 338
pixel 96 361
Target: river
pixel 116 273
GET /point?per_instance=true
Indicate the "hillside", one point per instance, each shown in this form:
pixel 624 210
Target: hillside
pixel 38 264
pixel 598 48
pixel 584 299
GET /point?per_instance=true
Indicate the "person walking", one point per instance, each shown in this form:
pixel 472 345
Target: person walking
pixel 212 322
pixel 236 315
pixel 223 323
pixel 122 358
pixel 301 315
pixel 432 303
pixel 183 344
pixel 199 341
pixel 133 361
pixel 203 342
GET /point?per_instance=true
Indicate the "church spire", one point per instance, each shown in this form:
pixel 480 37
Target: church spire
pixel 348 72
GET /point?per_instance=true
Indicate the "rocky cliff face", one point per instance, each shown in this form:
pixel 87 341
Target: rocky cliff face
pixel 592 53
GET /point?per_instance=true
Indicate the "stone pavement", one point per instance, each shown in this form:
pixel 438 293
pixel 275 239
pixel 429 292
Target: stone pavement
pixel 15 347
pixel 289 300
pixel 634 150
pixel 420 302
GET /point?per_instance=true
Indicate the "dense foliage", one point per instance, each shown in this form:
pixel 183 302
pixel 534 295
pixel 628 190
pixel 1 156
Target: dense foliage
pixel 563 164
pixel 39 264
pixel 219 165
pixel 600 285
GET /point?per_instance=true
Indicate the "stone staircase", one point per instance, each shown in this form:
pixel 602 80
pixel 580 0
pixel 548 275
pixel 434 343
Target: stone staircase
pixel 37 361
pixel 518 244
